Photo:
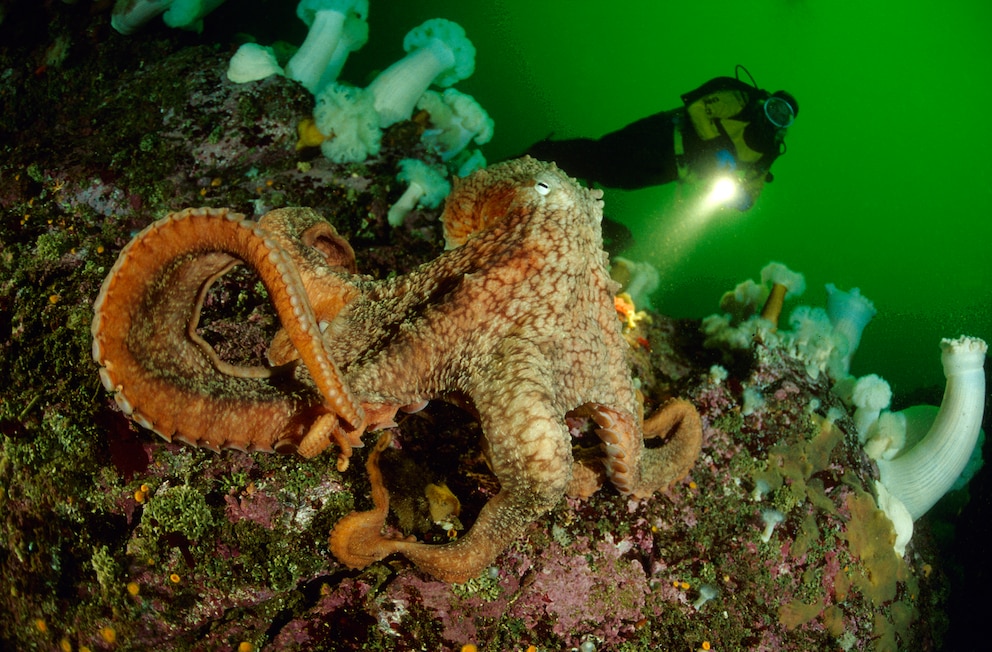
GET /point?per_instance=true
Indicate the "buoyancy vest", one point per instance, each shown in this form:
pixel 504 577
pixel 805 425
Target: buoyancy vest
pixel 723 107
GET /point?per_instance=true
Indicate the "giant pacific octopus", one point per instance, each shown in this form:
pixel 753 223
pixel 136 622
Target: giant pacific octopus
pixel 516 320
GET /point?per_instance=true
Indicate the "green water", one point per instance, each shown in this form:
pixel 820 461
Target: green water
pixel 886 185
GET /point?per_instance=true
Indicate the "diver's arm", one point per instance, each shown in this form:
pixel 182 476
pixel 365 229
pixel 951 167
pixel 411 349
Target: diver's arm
pixel 639 155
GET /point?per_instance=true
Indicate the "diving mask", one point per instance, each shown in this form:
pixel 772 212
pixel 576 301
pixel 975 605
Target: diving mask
pixel 779 112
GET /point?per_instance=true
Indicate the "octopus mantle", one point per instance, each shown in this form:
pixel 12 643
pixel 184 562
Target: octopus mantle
pixel 518 317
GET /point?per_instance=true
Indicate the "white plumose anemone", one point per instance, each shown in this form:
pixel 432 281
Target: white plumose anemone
pixel 439 54
pixel 920 474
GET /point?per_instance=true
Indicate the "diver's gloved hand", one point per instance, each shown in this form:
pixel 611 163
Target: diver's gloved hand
pixel 726 165
pixel 725 161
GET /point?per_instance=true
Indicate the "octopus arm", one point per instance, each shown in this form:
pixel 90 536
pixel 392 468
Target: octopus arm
pixel 169 380
pixel 530 450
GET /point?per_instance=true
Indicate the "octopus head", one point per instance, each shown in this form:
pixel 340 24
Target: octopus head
pixel 524 188
pixel 559 192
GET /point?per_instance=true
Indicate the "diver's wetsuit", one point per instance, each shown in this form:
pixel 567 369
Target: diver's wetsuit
pixel 641 154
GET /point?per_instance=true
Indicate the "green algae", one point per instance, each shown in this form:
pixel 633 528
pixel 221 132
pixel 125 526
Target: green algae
pixel 106 569
pixel 181 509
pixel 52 245
pixel 486 586
pixel 234 481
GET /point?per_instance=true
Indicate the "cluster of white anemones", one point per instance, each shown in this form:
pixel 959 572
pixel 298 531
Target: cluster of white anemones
pixel 922 451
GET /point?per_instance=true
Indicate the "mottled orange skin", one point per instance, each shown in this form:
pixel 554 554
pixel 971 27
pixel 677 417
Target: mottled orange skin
pixel 519 318
pixel 166 378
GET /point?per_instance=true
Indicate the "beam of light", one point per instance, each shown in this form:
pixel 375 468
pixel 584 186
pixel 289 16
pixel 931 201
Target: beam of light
pixel 679 226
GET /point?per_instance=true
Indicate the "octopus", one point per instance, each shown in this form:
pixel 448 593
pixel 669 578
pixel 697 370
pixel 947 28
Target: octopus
pixel 515 320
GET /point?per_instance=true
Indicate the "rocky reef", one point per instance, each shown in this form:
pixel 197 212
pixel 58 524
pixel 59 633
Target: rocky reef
pixel 114 539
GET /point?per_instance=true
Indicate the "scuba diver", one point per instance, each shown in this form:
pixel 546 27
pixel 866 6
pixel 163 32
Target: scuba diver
pixel 724 126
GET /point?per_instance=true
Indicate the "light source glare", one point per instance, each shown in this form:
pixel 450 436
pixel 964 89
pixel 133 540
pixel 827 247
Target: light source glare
pixel 724 190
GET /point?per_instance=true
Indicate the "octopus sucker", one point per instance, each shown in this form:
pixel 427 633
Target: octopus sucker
pixel 124 404
pixel 190 441
pixel 209 445
pixel 144 422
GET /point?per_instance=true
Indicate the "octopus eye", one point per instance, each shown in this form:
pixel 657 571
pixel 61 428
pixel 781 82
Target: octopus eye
pixel 542 188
